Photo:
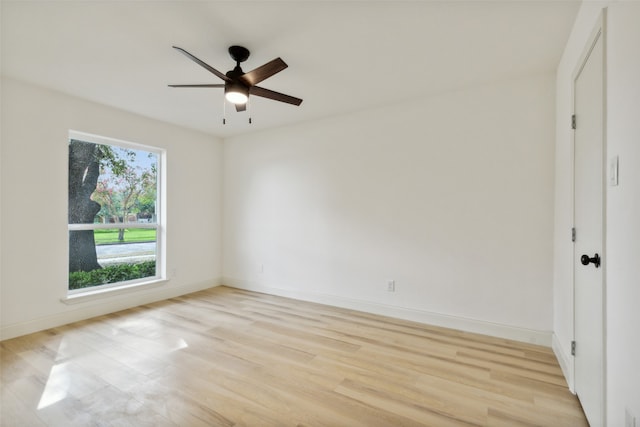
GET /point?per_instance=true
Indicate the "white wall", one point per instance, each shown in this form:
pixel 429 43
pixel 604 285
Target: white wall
pixel 449 196
pixel 35 125
pixel 623 212
pixel 622 207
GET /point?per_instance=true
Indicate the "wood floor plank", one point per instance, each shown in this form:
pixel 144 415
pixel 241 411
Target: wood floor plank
pixel 229 357
pixel 13 411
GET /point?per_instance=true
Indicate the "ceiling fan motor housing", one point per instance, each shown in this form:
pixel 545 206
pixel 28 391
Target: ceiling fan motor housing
pixel 235 85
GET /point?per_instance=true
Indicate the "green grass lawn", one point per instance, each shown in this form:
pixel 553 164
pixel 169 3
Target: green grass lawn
pixel 131 235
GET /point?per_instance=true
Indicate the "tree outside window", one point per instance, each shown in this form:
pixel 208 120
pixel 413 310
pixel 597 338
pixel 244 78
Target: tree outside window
pixel 113 212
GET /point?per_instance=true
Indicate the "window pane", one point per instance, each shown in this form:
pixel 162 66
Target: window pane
pixel 110 184
pixel 121 255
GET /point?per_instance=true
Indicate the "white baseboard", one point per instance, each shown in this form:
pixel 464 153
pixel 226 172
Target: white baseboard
pixel 109 304
pixel 565 360
pixel 437 319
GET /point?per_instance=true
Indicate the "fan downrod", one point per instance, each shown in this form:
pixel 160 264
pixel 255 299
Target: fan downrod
pixel 239 53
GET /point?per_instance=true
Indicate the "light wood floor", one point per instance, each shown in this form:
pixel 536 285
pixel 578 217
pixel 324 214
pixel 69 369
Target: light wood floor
pixel 226 357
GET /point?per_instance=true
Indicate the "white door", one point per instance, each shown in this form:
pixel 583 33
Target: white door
pixel 588 222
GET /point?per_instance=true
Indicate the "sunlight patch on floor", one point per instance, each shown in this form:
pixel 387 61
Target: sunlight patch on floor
pixel 57 386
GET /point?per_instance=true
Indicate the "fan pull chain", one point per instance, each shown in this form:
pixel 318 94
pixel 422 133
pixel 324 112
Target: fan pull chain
pixel 224 112
pixel 249 108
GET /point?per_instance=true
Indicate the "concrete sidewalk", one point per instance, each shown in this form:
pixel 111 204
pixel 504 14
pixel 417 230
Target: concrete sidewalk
pixel 126 253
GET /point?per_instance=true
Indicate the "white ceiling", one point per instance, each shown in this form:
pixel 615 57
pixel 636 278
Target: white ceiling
pixel 343 55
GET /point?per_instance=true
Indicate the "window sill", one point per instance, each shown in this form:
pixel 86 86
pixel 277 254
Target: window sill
pixel 91 295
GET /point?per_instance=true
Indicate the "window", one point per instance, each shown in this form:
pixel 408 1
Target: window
pixel 115 223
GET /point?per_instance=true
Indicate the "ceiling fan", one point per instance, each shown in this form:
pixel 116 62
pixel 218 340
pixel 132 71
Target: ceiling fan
pixel 238 85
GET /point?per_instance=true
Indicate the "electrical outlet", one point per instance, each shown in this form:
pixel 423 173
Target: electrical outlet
pixel 629 420
pixel 391 286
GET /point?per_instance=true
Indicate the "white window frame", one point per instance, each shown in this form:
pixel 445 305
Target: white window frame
pixel 159 225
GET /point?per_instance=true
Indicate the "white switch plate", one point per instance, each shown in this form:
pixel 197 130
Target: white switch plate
pixel 613 171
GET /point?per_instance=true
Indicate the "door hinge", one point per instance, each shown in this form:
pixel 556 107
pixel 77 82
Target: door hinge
pixel 573 348
pixel 573 234
pixel 573 121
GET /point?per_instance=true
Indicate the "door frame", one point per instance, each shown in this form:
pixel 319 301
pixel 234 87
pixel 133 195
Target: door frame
pixel 599 31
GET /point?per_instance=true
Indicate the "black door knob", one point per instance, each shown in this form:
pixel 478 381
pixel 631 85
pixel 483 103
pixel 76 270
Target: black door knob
pixel 585 260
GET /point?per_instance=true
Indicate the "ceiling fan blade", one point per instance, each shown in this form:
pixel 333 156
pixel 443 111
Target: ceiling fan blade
pixel 202 85
pixel 276 96
pixel 265 71
pixel 241 107
pixel 203 64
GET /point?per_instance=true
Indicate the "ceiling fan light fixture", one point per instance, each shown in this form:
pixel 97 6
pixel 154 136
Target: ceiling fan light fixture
pixel 236 93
